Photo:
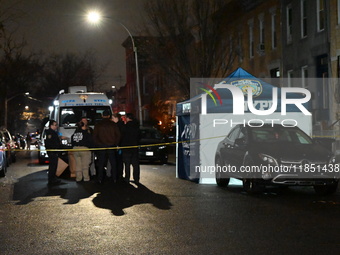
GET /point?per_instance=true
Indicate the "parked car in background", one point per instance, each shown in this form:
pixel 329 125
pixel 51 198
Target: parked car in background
pixel 275 155
pixel 157 151
pixel 3 161
pixel 6 138
pixel 21 141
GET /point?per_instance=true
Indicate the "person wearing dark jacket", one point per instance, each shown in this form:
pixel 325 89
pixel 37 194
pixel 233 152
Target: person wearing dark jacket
pixel 52 141
pixel 82 141
pixel 131 137
pixel 106 134
pixel 116 118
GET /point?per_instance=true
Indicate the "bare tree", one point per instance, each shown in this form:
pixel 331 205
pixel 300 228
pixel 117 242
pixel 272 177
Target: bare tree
pixel 189 39
pixel 64 70
pixel 18 74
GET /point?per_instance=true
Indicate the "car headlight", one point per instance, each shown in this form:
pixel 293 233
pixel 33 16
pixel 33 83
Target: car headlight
pixel 268 159
pixel 161 147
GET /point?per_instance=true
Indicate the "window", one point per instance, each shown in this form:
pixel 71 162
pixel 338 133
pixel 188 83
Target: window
pixel 289 23
pixel 290 77
pixel 239 48
pixel 275 73
pixel 260 46
pixel 304 76
pixel 234 134
pixel 325 91
pixel 261 28
pixel 251 38
pixel 320 15
pixel 303 18
pixel 274 36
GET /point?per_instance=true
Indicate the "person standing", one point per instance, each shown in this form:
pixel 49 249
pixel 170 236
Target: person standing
pixel 131 137
pixel 86 124
pixel 82 141
pixel 116 118
pixel 28 141
pixel 106 135
pixel 52 141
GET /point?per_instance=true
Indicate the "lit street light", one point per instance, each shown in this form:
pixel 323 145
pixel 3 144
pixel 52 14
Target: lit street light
pixel 6 104
pixel 95 17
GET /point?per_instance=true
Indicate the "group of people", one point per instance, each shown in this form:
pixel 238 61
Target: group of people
pixel 105 139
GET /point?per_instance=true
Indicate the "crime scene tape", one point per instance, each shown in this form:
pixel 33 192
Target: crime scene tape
pixel 120 147
pixel 136 146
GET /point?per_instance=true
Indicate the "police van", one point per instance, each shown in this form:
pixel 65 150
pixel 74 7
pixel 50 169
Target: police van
pixel 69 108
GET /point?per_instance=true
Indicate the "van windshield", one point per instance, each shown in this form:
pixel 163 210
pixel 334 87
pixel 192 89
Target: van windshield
pixel 69 116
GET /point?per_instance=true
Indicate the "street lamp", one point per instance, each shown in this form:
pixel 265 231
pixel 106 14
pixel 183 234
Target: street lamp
pixel 9 99
pixel 95 17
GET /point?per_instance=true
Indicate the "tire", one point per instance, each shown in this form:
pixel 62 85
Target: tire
pixel 4 169
pixel 3 172
pixel 220 180
pixel 8 160
pixel 326 189
pixel 252 187
pixel 14 158
pixel 164 160
pixel 41 161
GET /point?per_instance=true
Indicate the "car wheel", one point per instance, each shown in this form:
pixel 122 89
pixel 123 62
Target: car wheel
pixel 326 189
pixel 14 158
pixel 8 161
pixel 41 161
pixel 4 168
pixel 252 187
pixel 3 172
pixel 221 180
pixel 164 160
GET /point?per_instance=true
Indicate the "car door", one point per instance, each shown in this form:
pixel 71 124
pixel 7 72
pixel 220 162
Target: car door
pixel 227 148
pixel 240 147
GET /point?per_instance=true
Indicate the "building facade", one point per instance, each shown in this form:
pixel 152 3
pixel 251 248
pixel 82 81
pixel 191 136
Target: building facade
pixel 286 42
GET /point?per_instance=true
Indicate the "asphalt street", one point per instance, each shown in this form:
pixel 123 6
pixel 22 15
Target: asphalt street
pixel 163 215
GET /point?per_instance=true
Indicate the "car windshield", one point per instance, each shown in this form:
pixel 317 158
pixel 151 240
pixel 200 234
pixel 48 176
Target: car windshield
pixel 69 116
pixel 150 134
pixel 269 134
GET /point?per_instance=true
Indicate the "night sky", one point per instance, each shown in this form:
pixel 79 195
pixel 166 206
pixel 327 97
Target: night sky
pixel 59 26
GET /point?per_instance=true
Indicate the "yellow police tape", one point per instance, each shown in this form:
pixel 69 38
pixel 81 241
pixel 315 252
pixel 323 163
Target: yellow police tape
pixel 138 146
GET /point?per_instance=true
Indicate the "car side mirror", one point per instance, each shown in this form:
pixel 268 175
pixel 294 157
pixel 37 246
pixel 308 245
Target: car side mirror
pixel 240 142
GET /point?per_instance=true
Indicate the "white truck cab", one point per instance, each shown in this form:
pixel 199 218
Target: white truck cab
pixel 69 108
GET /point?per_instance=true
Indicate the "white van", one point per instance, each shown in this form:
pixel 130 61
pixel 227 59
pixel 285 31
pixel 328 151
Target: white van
pixel 69 108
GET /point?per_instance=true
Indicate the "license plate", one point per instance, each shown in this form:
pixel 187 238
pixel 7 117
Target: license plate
pixel 149 153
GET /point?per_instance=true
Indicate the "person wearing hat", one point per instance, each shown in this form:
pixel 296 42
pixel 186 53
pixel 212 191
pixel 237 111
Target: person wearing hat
pixel 130 139
pixel 106 135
